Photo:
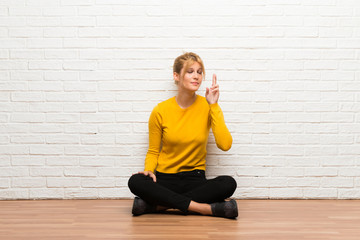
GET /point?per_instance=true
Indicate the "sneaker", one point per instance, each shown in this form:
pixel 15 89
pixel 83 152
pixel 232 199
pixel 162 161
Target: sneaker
pixel 226 209
pixel 141 207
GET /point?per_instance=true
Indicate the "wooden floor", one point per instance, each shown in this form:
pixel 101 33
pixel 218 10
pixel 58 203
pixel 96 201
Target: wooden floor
pixel 112 219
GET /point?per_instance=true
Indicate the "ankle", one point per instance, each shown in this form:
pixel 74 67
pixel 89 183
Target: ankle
pixel 202 208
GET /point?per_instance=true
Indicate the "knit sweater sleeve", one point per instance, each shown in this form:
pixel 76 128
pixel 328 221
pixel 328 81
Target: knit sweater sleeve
pixel 155 135
pixel 221 133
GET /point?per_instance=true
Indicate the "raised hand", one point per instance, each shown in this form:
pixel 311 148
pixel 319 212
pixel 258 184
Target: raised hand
pixel 212 94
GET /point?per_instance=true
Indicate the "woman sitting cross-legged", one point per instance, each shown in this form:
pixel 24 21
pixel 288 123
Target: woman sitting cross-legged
pixel 175 164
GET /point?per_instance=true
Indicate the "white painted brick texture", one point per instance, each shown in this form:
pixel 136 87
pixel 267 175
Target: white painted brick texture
pixel 79 78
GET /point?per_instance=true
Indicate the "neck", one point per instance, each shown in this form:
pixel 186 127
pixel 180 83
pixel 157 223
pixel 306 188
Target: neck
pixel 185 99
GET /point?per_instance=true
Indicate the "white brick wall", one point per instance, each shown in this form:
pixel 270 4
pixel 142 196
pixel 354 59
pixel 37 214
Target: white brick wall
pixel 79 78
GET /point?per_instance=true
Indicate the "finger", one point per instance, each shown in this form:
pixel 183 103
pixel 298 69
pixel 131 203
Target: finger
pixel 215 86
pixel 153 177
pixel 214 79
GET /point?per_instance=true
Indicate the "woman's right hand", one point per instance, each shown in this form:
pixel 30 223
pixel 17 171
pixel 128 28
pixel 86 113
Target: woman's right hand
pixel 149 173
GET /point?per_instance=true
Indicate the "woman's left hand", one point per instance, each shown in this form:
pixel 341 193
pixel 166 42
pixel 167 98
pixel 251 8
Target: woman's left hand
pixel 212 94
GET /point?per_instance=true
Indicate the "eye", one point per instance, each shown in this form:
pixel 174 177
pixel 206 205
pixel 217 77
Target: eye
pixel 200 72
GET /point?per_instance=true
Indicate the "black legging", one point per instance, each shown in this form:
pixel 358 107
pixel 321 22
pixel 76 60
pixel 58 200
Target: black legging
pixel 178 190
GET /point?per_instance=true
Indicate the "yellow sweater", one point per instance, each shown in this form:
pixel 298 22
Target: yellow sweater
pixel 178 137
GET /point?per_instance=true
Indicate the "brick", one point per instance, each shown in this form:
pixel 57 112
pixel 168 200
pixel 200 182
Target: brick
pixel 284 193
pixel 16 193
pixel 28 182
pixel 30 32
pixel 115 193
pixel 59 11
pixel 12 65
pixel 45 86
pixel 26 54
pixel 24 11
pixel 98 183
pixel 57 182
pixel 27 118
pixel 348 194
pixel 45 107
pixel 5 161
pixel 79 43
pixel 4 183
pixel 97 117
pixel 114 107
pixel 288 172
pixel 320 151
pixel 78 21
pixel 77 193
pixel 80 172
pixel 46 150
pixel 321 193
pixel 80 150
pixel 59 75
pixel 27 160
pixel 79 65
pixel 117 128
pixel 97 161
pixel 47 193
pixel 45 65
pixel 96 10
pixel 98 139
pixel 46 172
pixel 62 161
pixel 62 118
pixel 14 172
pixel 13 86
pixel 337 182
pixel 10 43
pixel 44 43
pixel 27 76
pixel 80 107
pixel 45 128
pixel 114 151
pixel 320 172
pixel 32 139
pixel 62 139
pixel 81 128
pixel 61 54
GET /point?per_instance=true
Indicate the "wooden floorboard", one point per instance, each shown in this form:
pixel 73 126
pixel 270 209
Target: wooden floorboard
pixel 112 219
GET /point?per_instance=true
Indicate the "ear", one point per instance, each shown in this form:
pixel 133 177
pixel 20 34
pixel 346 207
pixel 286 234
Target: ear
pixel 176 77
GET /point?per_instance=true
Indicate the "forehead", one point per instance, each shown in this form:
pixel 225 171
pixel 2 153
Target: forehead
pixel 194 65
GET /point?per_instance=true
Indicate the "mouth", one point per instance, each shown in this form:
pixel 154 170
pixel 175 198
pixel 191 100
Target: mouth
pixel 194 83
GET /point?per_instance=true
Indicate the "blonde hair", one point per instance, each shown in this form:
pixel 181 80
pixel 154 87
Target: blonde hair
pixel 185 60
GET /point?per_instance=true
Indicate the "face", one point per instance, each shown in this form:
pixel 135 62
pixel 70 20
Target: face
pixel 191 79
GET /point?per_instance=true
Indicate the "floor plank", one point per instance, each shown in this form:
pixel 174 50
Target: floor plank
pixel 112 219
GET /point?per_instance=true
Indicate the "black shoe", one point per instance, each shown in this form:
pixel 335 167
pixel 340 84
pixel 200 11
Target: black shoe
pixel 141 207
pixel 226 209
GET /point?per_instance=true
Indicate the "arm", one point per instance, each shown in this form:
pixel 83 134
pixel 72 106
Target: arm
pixel 155 135
pixel 221 133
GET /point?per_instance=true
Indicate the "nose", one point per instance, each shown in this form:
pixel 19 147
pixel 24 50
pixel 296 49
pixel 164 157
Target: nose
pixel 196 75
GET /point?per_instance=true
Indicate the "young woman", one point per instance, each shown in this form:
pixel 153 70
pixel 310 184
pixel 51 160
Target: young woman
pixel 174 174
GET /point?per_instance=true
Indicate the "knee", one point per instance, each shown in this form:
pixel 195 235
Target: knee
pixel 135 181
pixel 229 184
